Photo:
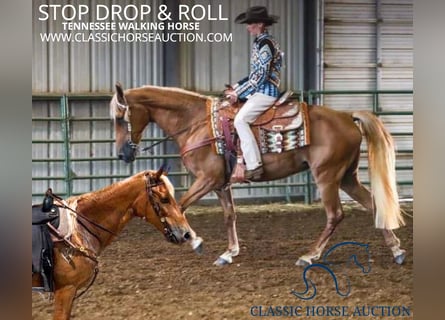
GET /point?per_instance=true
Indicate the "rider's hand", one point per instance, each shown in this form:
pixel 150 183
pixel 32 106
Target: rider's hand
pixel 231 95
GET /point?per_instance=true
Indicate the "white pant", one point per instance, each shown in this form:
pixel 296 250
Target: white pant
pixel 253 107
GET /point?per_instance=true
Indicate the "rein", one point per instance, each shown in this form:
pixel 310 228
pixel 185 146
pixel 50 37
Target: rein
pixel 82 216
pixel 169 137
pixel 84 251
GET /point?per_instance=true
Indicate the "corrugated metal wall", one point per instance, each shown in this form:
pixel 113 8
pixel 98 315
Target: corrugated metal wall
pixel 208 66
pixel 368 45
pixel 349 53
pixel 205 66
pixel 80 68
pixel 95 66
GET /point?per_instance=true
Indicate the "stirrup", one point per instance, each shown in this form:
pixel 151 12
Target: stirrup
pixel 254 173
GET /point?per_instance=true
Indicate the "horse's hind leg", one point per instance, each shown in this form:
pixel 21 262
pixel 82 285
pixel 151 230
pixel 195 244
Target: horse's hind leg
pixel 352 186
pixel 63 302
pixel 334 212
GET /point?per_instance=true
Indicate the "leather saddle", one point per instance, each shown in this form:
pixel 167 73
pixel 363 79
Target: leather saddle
pixel 42 244
pixel 283 114
pixel 287 116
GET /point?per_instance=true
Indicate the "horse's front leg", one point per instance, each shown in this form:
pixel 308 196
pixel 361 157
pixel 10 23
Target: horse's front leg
pixel 63 302
pixel 199 188
pixel 226 199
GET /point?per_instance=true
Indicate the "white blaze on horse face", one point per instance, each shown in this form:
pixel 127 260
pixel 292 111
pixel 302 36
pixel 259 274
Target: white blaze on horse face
pixel 195 241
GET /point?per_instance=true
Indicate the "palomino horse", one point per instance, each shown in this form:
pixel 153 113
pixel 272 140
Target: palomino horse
pixel 332 156
pixel 101 215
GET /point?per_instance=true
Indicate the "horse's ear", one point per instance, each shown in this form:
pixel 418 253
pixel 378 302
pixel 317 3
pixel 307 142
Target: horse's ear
pixel 162 170
pixel 120 93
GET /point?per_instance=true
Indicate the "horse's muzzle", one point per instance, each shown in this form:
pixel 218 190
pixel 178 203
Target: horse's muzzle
pixel 127 152
pixel 177 236
pixel 126 159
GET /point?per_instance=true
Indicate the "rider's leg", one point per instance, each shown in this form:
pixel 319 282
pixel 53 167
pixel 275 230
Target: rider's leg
pixel 254 106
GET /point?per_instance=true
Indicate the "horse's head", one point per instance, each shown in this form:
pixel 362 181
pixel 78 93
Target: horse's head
pixel 130 119
pixel 359 255
pixel 362 260
pixel 158 206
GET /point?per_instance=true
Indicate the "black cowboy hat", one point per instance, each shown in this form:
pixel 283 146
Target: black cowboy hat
pixel 256 14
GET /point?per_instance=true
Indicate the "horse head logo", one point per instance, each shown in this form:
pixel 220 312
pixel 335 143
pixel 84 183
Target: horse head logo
pixel 329 266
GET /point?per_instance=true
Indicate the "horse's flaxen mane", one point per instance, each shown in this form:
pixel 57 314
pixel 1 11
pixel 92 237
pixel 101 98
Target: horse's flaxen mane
pixel 168 96
pixel 185 97
pixel 173 90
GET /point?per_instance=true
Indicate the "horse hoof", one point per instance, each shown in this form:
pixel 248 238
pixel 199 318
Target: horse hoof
pixel 221 262
pixel 400 258
pixel 302 263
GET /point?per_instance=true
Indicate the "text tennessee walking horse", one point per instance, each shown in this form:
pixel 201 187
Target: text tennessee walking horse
pixel 101 215
pixel 332 156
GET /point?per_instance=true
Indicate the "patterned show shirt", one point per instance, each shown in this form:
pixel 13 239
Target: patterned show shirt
pixel 265 66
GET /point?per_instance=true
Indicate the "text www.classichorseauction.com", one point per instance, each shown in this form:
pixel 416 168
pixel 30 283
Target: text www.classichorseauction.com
pixel 131 23
pixel 332 268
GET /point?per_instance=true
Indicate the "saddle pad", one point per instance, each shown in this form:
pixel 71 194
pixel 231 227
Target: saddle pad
pixel 277 129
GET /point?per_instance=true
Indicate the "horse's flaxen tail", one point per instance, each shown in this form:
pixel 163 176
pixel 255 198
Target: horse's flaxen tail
pixel 382 172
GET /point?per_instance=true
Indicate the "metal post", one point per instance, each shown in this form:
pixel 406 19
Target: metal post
pixel 308 193
pixel 287 194
pixel 66 144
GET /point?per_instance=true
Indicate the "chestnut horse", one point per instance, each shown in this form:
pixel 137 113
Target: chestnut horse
pixel 101 215
pixel 332 156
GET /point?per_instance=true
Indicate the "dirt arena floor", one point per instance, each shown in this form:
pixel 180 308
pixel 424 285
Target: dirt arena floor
pixel 142 276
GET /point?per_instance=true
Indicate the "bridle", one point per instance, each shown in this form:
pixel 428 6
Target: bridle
pixel 150 184
pixel 124 107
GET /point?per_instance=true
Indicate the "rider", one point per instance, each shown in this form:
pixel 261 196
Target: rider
pixel 260 88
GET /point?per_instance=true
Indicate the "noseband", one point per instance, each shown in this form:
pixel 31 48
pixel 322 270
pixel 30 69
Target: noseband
pixel 150 184
pixel 133 146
